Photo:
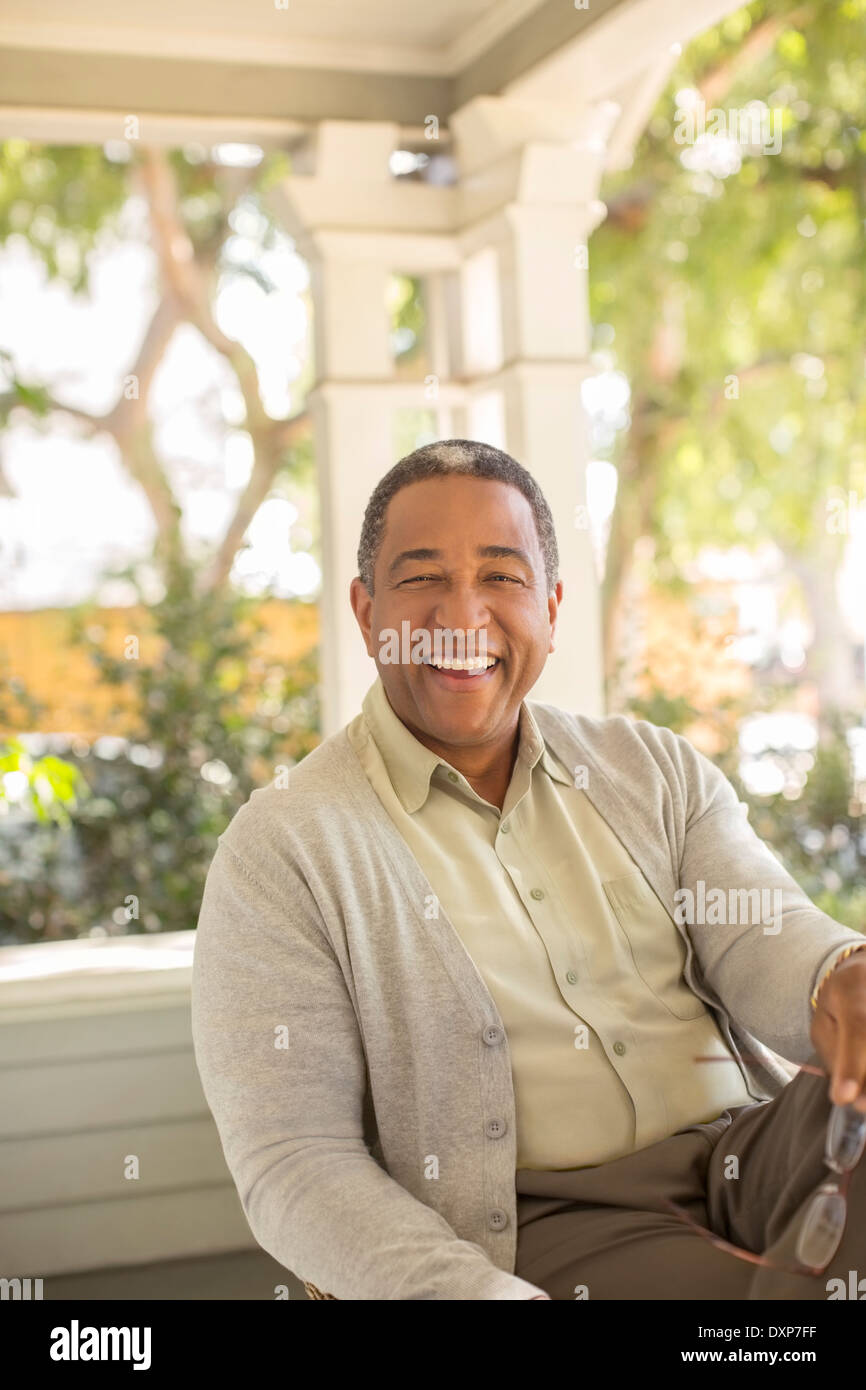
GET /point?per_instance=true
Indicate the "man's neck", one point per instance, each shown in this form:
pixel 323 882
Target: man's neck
pixel 487 768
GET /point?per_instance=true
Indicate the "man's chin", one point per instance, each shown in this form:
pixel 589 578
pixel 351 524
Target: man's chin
pixel 457 716
pixel 460 726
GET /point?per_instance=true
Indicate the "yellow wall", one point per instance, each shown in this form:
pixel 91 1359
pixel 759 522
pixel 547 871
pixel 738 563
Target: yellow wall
pixel 34 647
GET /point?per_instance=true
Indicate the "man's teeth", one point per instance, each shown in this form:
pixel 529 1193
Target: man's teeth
pixel 472 663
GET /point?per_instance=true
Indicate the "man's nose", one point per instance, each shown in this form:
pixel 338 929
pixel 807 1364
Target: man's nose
pixel 464 608
pixel 465 605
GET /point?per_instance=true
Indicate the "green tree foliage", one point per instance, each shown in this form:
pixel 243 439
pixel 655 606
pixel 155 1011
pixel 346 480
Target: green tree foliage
pixel 213 718
pixel 48 787
pixel 61 199
pixel 733 283
pixel 816 826
pixel 729 286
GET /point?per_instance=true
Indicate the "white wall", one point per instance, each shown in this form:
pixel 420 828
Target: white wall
pixel 96 1063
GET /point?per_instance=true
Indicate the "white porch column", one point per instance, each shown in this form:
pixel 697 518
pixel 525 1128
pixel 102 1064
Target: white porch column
pixel 354 224
pixel 529 174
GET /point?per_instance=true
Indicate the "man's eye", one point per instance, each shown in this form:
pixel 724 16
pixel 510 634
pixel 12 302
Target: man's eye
pixel 435 578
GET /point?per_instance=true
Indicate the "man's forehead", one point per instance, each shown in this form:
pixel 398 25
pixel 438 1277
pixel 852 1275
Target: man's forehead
pixel 420 521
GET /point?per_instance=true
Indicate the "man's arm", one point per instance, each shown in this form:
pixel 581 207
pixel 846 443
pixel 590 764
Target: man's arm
pixel 763 972
pixel 290 1117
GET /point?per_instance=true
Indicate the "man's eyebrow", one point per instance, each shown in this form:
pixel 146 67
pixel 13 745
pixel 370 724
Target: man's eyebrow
pixel 421 554
pixel 505 552
pixel 487 552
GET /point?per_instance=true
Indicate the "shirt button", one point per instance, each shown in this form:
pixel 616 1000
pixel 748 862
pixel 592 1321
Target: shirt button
pixel 493 1034
pixel 452 777
pixel 497 1219
pixel 505 827
pixel 571 977
pixel 619 1048
pixel 537 894
pixel 494 1129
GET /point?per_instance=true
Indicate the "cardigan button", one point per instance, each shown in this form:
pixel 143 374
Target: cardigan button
pixel 497 1219
pixel 494 1129
pixel 493 1034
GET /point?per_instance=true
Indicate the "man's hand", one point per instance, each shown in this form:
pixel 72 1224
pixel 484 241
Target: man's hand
pixel 839 1030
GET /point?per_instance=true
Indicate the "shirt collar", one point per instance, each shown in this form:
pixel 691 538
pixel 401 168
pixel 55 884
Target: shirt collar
pixel 410 765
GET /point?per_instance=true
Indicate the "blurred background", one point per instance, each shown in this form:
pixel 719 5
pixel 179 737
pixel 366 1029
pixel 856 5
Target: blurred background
pixel 242 272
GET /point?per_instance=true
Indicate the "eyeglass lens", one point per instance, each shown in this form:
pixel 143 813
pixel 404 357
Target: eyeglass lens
pixel 846 1138
pixel 824 1222
pixel 822 1228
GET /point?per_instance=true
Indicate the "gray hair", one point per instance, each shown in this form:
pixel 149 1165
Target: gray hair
pixel 444 458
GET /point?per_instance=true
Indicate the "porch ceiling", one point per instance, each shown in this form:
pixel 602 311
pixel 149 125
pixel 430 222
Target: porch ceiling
pixel 381 35
pixel 395 60
pixel 373 59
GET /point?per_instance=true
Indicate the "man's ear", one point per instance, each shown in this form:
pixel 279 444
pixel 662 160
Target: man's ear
pixel 362 606
pixel 553 602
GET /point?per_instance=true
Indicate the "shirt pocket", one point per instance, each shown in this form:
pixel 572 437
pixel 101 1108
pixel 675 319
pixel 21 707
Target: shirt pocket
pixel 657 949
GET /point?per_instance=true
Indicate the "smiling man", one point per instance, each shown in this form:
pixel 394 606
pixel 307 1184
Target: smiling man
pixel 439 571
pixel 450 1021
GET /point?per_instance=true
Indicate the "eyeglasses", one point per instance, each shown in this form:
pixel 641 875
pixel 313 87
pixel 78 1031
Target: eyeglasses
pixel 824 1221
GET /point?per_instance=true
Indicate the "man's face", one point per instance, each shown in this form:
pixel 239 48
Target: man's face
pixel 453 584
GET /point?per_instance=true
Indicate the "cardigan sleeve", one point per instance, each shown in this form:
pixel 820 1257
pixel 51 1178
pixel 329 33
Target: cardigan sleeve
pixel 281 1062
pixel 761 952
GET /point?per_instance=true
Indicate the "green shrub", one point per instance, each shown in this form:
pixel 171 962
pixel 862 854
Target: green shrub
pixel 213 719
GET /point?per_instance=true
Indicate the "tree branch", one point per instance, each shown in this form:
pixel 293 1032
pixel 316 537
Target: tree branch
pixel 44 403
pixel 758 43
pixel 183 275
pixel 144 466
pixel 188 280
pixel 187 284
pixel 128 411
pixel 763 367
pixel 269 454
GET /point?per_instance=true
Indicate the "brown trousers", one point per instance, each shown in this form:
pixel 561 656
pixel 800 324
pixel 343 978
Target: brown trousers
pixel 605 1229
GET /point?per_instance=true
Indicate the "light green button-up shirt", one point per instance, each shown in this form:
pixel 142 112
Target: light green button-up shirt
pixel 581 958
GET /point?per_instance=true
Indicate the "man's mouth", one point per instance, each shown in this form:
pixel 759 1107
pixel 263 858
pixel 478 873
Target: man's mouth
pixel 470 671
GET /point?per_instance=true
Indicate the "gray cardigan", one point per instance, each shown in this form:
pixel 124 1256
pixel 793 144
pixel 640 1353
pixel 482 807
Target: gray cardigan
pixel 351 1053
